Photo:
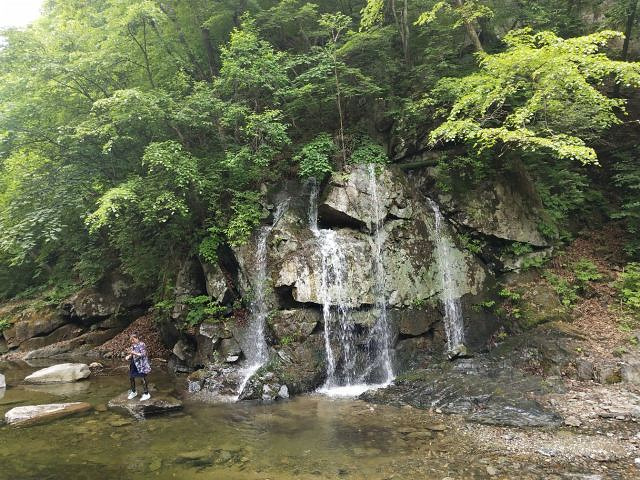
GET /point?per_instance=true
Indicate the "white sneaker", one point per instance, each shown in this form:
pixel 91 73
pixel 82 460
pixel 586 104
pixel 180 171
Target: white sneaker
pixel 145 397
pixel 132 395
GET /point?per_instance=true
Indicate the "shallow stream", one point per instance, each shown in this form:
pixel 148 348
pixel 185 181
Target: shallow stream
pixel 309 437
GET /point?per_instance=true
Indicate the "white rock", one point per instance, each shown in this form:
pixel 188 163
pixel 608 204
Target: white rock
pixel 3 383
pixel 36 413
pixel 61 373
pixel 283 392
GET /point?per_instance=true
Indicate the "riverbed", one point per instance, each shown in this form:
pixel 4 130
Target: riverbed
pixel 308 437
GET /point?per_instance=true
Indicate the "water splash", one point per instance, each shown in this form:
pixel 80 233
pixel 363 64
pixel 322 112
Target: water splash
pixel 453 320
pixel 254 342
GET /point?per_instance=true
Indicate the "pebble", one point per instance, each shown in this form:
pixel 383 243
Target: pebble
pixel 572 421
pixel 491 471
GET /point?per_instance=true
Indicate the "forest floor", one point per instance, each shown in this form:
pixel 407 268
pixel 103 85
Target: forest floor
pixel 600 437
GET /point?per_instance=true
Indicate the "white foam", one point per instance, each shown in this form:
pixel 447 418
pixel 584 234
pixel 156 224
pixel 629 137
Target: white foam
pixel 350 391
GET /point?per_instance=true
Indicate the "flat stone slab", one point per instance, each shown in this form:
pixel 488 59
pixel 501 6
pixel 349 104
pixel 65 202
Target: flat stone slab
pixel 32 414
pixel 61 373
pixel 158 404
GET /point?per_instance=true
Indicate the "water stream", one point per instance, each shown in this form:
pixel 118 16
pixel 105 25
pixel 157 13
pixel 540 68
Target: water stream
pixel 380 366
pixel 353 365
pixel 255 346
pixel 453 320
pixel 341 361
pixel 308 438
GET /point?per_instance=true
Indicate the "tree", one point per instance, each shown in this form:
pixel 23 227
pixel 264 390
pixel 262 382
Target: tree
pixel 542 94
pixel 465 13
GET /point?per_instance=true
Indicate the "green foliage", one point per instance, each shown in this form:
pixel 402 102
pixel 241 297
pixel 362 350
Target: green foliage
pixel 510 295
pixel 628 285
pixel 541 95
pixel 202 308
pixel 585 272
pixel 315 157
pixel 519 249
pixel 133 134
pixel 471 244
pixel 287 340
pixel 368 151
pixel 567 292
pixel 4 324
pixel 247 213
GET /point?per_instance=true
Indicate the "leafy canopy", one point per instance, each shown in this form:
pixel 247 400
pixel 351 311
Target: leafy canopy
pixel 542 94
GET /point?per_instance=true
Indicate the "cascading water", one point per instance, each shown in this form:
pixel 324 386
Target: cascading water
pixel 254 344
pixel 349 371
pixel 380 336
pixel 335 309
pixel 453 320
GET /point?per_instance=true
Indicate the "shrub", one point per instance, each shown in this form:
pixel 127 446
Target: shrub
pixel 629 285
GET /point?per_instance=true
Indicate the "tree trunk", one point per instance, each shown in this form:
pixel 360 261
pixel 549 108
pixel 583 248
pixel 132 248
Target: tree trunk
pixel 402 23
pixel 471 30
pixel 632 10
pixel 211 54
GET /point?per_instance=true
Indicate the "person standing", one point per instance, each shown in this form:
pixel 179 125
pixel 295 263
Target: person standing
pixel 139 367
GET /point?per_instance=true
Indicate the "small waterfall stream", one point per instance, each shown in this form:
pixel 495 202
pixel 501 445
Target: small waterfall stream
pixel 453 320
pixel 380 333
pixel 335 310
pixel 254 345
pixel 349 370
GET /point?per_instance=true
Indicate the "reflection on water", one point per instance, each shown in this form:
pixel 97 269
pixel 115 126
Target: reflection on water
pixel 311 437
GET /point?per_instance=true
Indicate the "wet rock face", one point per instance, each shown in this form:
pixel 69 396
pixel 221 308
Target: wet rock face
pixel 115 295
pixel 507 208
pixel 300 367
pixel 411 271
pixel 482 389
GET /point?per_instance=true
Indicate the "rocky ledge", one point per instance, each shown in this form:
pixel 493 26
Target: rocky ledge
pixel 158 404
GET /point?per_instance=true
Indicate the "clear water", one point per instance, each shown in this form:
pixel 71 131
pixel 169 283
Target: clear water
pixel 453 319
pixel 310 437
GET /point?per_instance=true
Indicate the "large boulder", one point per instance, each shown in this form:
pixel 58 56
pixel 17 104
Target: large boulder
pixel 300 367
pixel 158 404
pixel 29 415
pixel 32 323
pixel 190 283
pixel 505 206
pixel 409 243
pixel 61 373
pixel 114 295
pixel 216 283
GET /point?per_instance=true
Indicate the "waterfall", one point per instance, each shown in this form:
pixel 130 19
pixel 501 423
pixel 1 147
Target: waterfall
pixel 349 371
pixel 453 320
pixel 255 345
pixel 335 309
pixel 380 333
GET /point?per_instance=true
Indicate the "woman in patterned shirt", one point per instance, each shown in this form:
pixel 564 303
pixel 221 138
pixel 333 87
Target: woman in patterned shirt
pixel 139 367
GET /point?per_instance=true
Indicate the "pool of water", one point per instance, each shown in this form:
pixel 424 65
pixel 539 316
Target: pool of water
pixel 309 437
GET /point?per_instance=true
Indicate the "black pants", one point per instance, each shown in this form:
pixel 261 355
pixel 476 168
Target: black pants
pixel 144 384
